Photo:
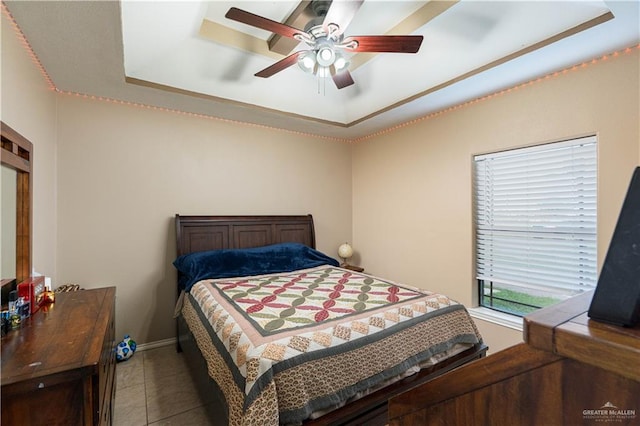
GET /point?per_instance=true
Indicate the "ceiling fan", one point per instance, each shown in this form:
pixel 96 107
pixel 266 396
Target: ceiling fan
pixel 326 40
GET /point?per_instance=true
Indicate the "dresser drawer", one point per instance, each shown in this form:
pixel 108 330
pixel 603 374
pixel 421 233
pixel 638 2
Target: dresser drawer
pixel 35 403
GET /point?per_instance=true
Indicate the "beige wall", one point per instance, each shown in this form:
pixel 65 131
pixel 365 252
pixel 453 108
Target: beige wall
pixel 29 107
pixel 124 172
pixel 412 201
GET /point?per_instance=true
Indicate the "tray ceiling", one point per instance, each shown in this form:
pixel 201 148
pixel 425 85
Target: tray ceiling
pixel 188 56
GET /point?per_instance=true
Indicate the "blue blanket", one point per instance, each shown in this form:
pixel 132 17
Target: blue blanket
pixel 285 257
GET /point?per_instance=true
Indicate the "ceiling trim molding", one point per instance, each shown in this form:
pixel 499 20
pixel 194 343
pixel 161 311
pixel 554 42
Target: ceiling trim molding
pixel 84 96
pixel 361 139
pixel 571 31
pixel 150 84
pixel 23 40
pixel 576 67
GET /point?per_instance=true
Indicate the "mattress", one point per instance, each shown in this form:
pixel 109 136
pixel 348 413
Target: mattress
pixel 284 346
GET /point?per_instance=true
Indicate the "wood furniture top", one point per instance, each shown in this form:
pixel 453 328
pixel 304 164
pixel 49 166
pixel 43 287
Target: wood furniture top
pixel 67 336
pixel 568 367
pixel 566 330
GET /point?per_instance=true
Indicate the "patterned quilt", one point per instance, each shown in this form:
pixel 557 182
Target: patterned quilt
pixel 282 346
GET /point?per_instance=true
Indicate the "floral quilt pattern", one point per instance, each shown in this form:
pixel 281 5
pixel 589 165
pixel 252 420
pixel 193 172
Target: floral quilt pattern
pixel 286 301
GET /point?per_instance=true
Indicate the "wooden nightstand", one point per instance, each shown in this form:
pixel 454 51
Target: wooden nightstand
pixel 59 367
pixel 352 267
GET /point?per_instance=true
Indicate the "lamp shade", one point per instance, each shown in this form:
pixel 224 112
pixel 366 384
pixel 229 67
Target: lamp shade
pixel 345 251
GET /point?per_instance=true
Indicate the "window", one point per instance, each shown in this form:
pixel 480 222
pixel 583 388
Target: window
pixel 535 224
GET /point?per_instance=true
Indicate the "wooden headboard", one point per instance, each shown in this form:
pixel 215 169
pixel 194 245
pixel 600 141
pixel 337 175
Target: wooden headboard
pixel 201 233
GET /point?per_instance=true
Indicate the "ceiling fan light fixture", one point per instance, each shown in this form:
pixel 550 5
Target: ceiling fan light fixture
pixel 340 63
pixel 307 62
pixel 325 55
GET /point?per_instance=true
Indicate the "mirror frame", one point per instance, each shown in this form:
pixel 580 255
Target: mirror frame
pixel 17 153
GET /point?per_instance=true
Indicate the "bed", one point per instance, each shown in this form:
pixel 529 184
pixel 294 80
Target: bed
pixel 276 332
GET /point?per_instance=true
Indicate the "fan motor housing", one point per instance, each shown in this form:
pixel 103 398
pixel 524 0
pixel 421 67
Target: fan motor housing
pixel 320 7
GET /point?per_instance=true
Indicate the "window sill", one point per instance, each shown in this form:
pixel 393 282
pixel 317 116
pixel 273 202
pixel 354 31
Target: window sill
pixel 495 317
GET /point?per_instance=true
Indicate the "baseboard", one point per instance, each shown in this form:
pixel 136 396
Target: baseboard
pixel 155 345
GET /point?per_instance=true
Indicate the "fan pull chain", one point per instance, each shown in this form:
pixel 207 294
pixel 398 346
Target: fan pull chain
pixel 322 81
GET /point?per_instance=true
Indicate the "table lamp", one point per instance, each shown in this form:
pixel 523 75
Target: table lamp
pixel 345 251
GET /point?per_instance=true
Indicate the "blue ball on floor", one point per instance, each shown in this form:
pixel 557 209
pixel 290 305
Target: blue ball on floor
pixel 125 349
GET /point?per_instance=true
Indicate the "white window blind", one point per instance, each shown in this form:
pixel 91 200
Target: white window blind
pixel 535 218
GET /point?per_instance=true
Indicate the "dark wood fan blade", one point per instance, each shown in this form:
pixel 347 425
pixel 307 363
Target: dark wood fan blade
pixel 280 65
pixel 386 43
pixel 341 12
pixel 260 22
pixel 342 79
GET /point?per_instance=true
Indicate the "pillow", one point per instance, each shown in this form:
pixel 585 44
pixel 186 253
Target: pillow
pixel 284 257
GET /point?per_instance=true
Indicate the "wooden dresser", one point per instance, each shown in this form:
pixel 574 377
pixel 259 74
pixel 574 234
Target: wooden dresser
pixel 59 367
pixel 570 371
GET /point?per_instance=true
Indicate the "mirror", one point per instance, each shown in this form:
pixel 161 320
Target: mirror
pixel 16 156
pixel 9 184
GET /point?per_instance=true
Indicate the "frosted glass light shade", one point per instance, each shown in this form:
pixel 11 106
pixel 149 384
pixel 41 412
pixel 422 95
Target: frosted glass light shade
pixel 345 251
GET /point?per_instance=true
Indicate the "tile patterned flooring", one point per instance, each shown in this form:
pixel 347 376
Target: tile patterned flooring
pixel 154 388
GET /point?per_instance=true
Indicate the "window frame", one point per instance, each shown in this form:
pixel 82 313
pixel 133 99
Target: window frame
pixel 485 302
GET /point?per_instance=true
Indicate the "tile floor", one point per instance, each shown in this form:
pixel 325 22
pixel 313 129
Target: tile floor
pixel 154 388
